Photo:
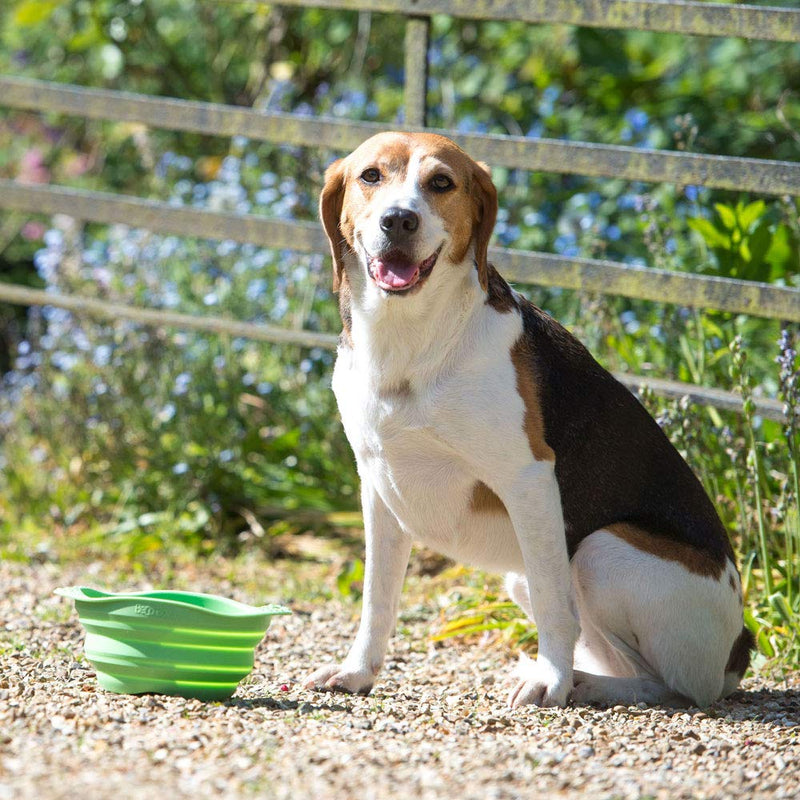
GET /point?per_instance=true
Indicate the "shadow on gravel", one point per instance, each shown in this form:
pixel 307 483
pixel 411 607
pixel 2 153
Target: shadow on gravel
pixel 780 707
pixel 276 704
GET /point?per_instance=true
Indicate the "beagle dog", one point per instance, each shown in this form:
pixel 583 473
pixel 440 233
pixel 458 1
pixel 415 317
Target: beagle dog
pixel 482 428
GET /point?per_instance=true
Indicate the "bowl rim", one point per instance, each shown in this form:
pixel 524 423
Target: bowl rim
pixel 173 598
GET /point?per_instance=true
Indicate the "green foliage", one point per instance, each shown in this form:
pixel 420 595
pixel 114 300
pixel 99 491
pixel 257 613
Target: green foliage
pixel 747 244
pixel 474 606
pixel 350 580
pixel 173 436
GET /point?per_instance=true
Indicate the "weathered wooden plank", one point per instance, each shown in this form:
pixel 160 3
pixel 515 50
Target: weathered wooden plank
pixel 698 19
pixel 546 155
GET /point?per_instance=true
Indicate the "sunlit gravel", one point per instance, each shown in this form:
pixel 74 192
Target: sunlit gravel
pixel 436 726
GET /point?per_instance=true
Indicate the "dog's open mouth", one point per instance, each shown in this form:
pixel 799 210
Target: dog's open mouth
pixel 394 271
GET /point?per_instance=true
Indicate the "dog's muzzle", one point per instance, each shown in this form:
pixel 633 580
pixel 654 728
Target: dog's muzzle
pixel 395 271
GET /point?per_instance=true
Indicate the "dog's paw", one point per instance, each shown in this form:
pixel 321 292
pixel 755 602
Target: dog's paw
pixel 338 678
pixel 539 685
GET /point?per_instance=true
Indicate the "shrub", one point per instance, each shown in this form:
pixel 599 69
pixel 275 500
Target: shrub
pixel 137 426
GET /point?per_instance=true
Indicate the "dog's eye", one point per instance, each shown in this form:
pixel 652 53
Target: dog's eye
pixel 441 183
pixel 370 175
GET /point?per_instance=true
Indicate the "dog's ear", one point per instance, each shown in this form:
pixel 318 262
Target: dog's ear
pixel 330 212
pixel 485 196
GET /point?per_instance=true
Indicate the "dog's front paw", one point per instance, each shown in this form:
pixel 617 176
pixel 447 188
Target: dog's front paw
pixel 540 685
pixel 339 678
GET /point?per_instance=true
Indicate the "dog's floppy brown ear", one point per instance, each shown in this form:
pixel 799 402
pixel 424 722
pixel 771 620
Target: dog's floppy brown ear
pixel 485 216
pixel 330 212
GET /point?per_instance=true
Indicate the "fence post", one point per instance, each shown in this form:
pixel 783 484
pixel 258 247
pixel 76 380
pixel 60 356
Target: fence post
pixel 416 70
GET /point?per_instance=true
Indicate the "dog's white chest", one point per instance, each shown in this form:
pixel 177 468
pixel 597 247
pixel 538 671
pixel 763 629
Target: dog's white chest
pixel 412 448
pixel 393 435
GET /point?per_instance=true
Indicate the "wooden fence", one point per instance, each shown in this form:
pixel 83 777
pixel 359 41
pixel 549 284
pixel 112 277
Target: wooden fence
pixel 761 176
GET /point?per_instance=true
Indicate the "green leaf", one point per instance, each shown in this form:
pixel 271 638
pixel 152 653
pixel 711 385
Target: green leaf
pixel 750 213
pixel 727 215
pixel 764 644
pixel 759 241
pixel 350 580
pixel 782 254
pixel 779 604
pixel 750 621
pixel 711 235
pixel 86 38
pixel 467 629
pixel 744 251
pixel 32 12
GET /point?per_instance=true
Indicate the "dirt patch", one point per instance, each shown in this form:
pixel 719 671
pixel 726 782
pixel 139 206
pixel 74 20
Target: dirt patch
pixel 436 726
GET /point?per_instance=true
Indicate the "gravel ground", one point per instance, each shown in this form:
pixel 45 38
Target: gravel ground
pixel 436 725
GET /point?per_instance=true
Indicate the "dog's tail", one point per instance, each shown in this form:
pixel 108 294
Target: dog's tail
pixel 738 660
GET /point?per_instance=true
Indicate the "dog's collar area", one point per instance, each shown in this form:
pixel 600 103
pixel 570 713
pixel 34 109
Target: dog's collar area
pixel 394 272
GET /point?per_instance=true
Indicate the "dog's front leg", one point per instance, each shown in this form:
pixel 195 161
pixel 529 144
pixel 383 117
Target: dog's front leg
pixel 534 505
pixel 388 551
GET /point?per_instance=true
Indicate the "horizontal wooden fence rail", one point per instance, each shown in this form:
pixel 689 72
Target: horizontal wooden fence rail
pixel 545 155
pixel 114 312
pixel 111 209
pixel 155 317
pixel 664 16
pixel 541 269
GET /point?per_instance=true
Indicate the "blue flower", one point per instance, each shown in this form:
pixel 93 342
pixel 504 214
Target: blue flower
pixel 266 196
pixel 102 355
pixel 629 202
pixel 256 289
pixel 637 119
pixel 566 245
pixel 166 413
pixel 533 218
pixel 226 247
pixel 182 383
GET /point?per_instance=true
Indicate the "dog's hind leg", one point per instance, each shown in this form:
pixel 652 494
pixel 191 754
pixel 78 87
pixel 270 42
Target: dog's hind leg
pixel 652 629
pixel 605 690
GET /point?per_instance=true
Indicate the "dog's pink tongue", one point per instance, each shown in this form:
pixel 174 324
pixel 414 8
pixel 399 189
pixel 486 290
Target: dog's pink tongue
pixel 395 273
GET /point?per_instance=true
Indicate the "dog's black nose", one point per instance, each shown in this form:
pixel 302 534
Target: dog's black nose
pixel 397 222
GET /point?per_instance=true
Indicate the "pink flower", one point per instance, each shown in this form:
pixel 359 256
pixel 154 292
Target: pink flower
pixel 77 165
pixel 33 231
pixel 32 168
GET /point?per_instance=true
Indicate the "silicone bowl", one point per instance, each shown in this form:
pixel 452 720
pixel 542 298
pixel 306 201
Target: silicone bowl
pixel 178 643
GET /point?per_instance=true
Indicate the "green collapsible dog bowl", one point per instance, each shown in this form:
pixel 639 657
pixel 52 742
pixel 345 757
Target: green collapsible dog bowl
pixel 163 642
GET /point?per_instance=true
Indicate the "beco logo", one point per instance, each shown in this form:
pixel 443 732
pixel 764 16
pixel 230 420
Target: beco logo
pixel 147 611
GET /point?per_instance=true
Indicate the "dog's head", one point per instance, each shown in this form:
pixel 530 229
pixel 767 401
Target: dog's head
pixel 407 204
